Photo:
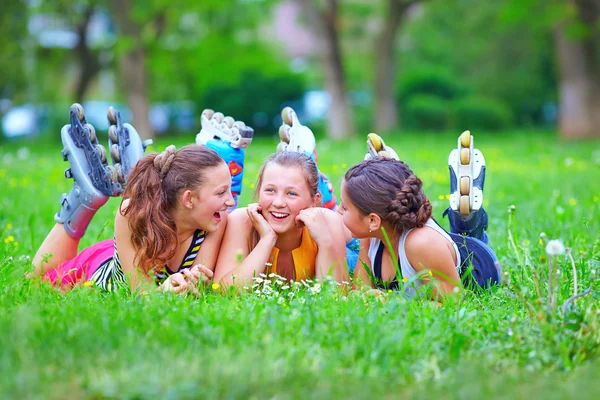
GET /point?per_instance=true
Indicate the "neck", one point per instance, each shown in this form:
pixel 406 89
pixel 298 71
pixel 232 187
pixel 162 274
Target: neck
pixel 289 240
pixel 183 226
pixel 392 236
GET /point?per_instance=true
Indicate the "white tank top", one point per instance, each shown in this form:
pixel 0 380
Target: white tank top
pixel 407 270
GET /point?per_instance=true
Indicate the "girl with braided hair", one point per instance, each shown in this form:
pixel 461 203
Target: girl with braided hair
pixel 383 204
pixel 167 230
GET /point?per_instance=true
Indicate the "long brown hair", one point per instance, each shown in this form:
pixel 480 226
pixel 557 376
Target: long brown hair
pixel 289 159
pixel 152 190
pixel 388 188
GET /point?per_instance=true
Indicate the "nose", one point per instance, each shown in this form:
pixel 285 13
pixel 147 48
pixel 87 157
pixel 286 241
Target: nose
pixel 230 202
pixel 279 201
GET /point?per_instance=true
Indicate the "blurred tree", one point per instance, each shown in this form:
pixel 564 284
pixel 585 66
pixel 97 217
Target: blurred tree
pixel 386 107
pixel 323 19
pixel 576 29
pixel 131 55
pixel 13 80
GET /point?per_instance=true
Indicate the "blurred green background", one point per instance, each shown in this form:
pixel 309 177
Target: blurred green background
pixel 347 66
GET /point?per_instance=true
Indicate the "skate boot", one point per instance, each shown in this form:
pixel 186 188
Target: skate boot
pixel 467 177
pixel 299 138
pixel 376 147
pixel 126 146
pixel 229 138
pixel 93 179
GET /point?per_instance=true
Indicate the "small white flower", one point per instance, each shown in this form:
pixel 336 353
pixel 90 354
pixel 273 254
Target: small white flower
pixel 568 162
pixel 272 274
pixel 281 300
pixel 558 272
pixel 555 248
pixel 301 300
pixel 285 287
pixel 263 275
pixel 258 280
pixel 543 235
pixel 560 210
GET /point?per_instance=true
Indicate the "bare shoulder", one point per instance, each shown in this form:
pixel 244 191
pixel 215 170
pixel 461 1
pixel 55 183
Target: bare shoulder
pixel 121 220
pixel 239 217
pixel 424 246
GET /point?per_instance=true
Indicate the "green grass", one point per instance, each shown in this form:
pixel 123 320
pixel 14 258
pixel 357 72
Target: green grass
pixel 87 344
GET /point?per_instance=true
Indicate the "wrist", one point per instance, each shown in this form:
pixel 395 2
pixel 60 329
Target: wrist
pixel 269 238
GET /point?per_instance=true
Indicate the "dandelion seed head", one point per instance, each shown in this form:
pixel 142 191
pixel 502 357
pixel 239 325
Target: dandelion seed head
pixel 555 248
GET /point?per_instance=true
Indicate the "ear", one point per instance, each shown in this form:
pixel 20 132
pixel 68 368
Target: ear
pixel 317 199
pixel 187 199
pixel 374 222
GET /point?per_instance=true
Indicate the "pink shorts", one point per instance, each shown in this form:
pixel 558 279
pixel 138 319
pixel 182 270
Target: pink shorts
pixel 83 266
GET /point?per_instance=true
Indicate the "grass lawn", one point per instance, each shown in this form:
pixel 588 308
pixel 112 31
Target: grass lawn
pixel 318 343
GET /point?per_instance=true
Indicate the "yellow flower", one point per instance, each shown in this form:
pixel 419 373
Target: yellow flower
pixel 9 239
pixel 389 290
pixel 88 283
pixel 344 166
pixel 430 273
pixel 447 197
pixel 9 226
pixel 215 286
pixel 252 186
pixel 405 279
pixel 441 197
pixel 572 202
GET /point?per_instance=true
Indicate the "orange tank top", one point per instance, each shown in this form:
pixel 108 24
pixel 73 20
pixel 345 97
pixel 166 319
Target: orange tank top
pixel 305 258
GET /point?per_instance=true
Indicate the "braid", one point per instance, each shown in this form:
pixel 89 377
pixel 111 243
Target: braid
pixel 390 189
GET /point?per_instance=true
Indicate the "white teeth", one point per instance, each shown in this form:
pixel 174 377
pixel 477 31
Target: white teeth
pixel 279 215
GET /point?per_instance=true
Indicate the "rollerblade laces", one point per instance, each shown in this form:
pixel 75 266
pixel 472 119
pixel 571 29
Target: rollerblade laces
pixel 229 138
pixel 299 138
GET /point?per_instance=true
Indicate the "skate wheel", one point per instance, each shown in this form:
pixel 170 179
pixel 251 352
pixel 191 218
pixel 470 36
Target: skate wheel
pixel 114 153
pixel 119 173
pixel 92 131
pixel 218 116
pixel 282 146
pixel 112 134
pixel 465 185
pixel 79 108
pixel 286 115
pixel 208 113
pixel 112 115
pixel 284 133
pixel 102 152
pixel 464 206
pixel 229 122
pixel 239 124
pixel 375 141
pixel 465 139
pixel 465 156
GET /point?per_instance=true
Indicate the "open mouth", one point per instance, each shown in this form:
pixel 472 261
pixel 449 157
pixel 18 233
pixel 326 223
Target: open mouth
pixel 217 216
pixel 278 217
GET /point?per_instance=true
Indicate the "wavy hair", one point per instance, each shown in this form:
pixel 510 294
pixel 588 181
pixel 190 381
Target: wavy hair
pixel 152 189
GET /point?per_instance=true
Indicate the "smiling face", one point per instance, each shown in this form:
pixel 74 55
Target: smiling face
pixel 355 221
pixel 210 202
pixel 283 193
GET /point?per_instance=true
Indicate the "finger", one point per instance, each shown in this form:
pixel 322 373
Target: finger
pixel 206 271
pixel 178 280
pixel 191 278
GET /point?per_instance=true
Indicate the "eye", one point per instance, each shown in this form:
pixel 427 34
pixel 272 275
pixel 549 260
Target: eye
pixel 269 190
pixel 221 193
pixel 292 193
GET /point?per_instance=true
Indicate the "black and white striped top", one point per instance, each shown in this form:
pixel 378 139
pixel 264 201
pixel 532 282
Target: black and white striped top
pixel 110 274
